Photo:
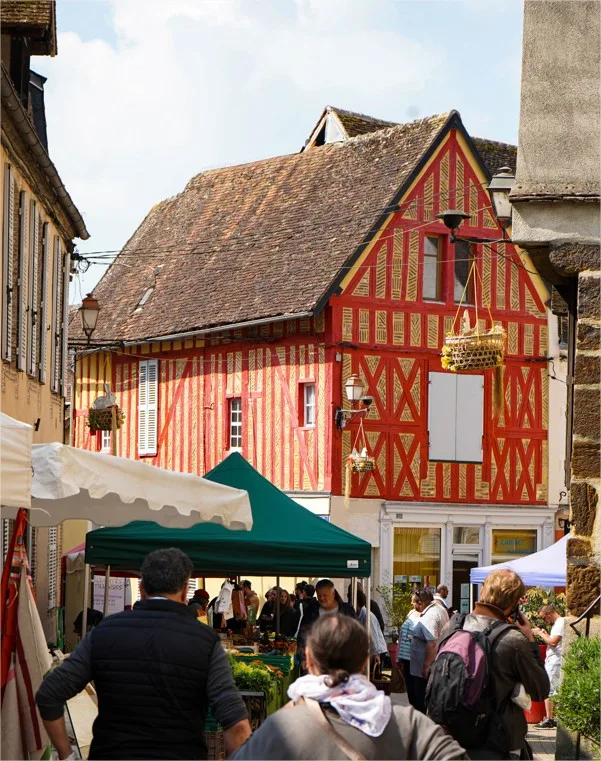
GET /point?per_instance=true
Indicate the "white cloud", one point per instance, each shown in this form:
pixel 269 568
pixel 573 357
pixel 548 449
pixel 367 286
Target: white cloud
pixel 193 84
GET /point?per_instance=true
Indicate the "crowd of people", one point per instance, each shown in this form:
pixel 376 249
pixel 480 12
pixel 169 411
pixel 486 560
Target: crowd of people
pixel 157 673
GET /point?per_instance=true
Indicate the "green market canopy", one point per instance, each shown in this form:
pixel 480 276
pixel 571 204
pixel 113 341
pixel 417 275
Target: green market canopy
pixel 285 540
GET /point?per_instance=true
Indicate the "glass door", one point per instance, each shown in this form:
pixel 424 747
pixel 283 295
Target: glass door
pixel 463 562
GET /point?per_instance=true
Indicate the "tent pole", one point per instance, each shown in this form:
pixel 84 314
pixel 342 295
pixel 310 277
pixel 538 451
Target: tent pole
pixel 107 580
pixel 367 591
pixel 354 592
pixel 86 600
pixel 277 606
pixel 471 596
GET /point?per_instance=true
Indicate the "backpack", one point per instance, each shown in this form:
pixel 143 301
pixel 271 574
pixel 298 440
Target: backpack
pixel 459 694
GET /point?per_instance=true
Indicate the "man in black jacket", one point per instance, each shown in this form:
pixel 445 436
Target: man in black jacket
pixel 156 670
pixel 328 603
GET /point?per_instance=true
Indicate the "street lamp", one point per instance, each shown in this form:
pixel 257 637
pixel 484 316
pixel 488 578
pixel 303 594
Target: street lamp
pixel 88 313
pixel 354 389
pixel 499 189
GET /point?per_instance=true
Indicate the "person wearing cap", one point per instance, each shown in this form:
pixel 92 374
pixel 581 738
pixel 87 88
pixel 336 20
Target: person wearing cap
pixel 198 604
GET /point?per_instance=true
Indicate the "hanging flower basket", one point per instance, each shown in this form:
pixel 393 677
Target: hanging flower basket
pixel 476 351
pixel 102 420
pixel 362 464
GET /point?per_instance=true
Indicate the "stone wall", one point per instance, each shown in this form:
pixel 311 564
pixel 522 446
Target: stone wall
pixel 584 546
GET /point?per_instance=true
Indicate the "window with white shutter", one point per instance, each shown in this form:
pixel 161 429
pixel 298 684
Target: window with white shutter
pixel 455 417
pixel 22 281
pixel 148 390
pixel 56 312
pixel 44 304
pixel 32 286
pixel 52 567
pixel 66 258
pixel 8 223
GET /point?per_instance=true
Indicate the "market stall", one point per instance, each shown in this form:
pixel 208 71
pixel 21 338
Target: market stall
pixel 55 482
pixel 547 568
pixel 285 539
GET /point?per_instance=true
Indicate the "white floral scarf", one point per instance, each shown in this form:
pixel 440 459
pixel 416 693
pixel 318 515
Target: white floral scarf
pixel 358 702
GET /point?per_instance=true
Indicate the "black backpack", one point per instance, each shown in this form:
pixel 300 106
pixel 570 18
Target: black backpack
pixel 459 694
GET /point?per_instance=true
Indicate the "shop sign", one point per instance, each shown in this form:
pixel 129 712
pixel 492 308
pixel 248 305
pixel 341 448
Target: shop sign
pixel 513 543
pixel 352 564
pixel 118 589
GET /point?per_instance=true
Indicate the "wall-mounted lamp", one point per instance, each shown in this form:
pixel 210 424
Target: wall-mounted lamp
pixel 88 313
pixel 354 389
pixel 565 524
pixel 499 188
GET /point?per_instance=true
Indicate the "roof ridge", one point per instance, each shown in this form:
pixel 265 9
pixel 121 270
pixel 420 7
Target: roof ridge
pixel 493 142
pixel 362 116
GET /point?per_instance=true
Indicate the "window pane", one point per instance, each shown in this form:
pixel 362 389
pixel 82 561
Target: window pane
pixel 466 535
pixel 431 281
pixel 509 544
pixel 463 261
pixel 309 418
pixel 235 423
pixel 417 555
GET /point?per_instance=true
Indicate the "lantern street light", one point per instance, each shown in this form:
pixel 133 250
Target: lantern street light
pixel 88 313
pixel 355 390
pixel 499 189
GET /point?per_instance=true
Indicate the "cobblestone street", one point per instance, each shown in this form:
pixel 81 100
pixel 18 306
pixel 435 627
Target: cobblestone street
pixel 542 742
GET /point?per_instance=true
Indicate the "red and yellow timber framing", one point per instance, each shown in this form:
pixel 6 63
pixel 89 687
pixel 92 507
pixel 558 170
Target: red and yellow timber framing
pixel 265 367
pixel 392 338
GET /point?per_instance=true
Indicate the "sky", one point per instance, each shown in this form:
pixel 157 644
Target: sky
pixel 144 94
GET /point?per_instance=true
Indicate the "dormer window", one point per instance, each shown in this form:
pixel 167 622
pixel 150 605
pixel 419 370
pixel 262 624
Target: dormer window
pixel 144 299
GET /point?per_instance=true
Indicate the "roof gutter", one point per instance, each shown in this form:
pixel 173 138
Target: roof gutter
pixel 13 106
pixel 221 328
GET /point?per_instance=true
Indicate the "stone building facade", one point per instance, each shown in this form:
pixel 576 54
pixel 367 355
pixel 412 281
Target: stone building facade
pixel 556 219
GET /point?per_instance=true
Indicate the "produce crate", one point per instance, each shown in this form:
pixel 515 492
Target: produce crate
pixel 214 739
pixel 256 705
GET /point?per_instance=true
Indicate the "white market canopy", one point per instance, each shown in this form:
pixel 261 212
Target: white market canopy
pixel 15 462
pixel 70 483
pixel 547 568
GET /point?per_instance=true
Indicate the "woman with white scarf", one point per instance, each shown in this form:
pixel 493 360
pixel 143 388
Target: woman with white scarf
pixel 336 712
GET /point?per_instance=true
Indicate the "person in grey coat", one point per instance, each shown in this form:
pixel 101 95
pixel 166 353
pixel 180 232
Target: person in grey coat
pixel 337 713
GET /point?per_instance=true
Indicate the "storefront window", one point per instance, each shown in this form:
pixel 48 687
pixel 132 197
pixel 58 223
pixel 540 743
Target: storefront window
pixel 417 556
pixel 466 535
pixel 509 544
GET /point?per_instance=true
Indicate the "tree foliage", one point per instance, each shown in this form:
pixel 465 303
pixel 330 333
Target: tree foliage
pixel 396 599
pixel 577 703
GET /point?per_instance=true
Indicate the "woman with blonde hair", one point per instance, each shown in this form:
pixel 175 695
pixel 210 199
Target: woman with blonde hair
pixel 337 713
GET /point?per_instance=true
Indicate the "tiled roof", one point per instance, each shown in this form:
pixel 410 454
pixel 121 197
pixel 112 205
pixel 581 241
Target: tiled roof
pixel 38 17
pixel 360 124
pixel 258 240
pixel 496 155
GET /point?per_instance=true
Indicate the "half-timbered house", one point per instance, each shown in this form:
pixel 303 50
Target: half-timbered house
pixel 245 303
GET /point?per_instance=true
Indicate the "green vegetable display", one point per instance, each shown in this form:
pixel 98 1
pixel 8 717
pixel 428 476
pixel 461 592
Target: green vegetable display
pixel 255 677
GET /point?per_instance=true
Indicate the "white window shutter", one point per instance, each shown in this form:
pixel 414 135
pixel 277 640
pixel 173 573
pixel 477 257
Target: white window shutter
pixel 52 567
pixel 442 394
pixel 43 319
pixel 22 281
pixel 55 322
pixel 64 331
pixel 142 405
pixel 148 391
pixel 32 310
pixel 152 396
pixel 470 418
pixel 8 263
